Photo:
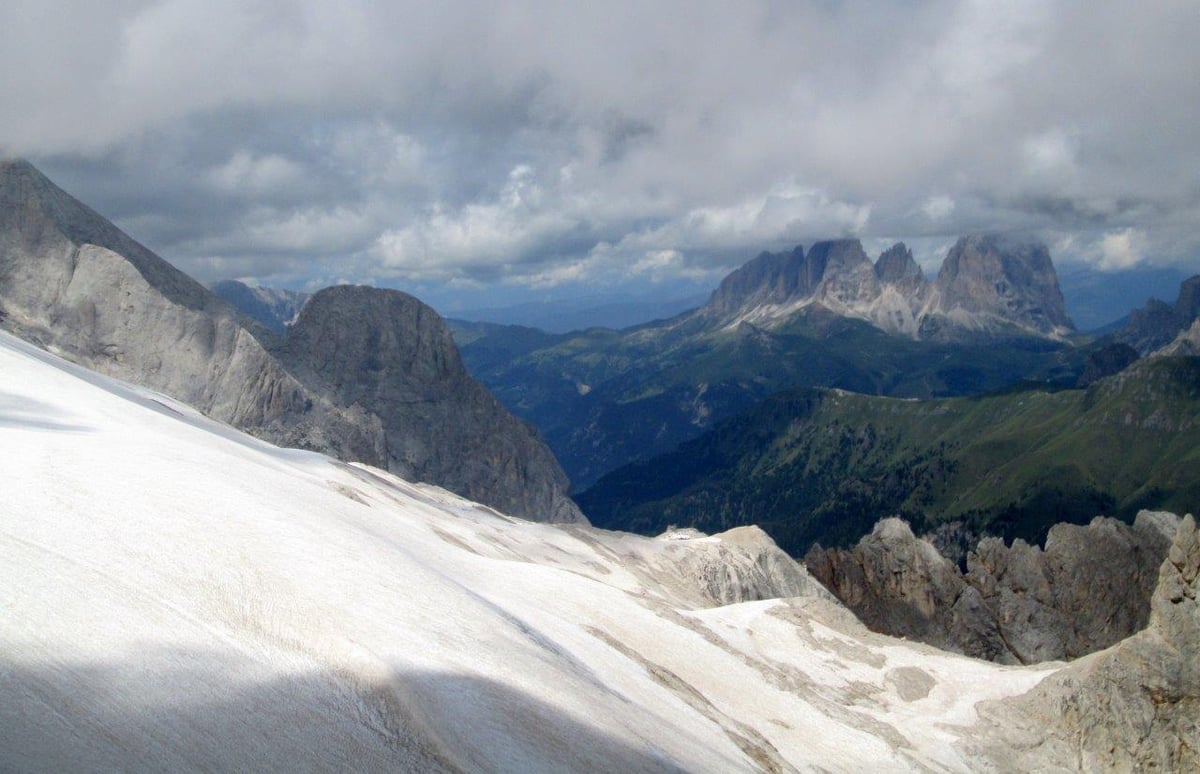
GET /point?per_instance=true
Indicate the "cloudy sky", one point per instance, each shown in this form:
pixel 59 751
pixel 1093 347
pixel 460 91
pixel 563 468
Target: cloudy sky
pixel 507 150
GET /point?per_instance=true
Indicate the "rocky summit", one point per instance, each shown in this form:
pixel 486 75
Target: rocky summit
pixel 988 285
pixel 1158 325
pixel 392 355
pixel 73 283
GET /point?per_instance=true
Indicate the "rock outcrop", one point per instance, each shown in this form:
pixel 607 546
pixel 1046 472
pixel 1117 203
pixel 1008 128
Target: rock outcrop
pixel 1087 589
pixel 1133 707
pixel 392 355
pixel 769 279
pixel 73 283
pixel 995 284
pixel 987 285
pixel 740 565
pixel 1158 324
pixel 1186 344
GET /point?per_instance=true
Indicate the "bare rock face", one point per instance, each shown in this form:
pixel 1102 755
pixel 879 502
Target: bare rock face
pixel 1186 344
pixel 73 283
pixel 1156 326
pixel 988 285
pixel 992 283
pixel 897 267
pixel 899 585
pixel 768 279
pixel 1087 589
pixel 392 355
pixel 1133 707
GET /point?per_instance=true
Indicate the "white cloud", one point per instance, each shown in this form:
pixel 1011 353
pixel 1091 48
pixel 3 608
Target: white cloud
pixel 1122 249
pixel 938 207
pixel 247 175
pixel 529 140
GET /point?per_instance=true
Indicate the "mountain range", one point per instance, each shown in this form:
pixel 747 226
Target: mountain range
pixel 75 284
pixel 1157 324
pixel 987 284
pixel 183 596
pixel 826 317
pixel 258 608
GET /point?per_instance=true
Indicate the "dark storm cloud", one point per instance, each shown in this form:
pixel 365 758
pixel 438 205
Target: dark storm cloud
pixel 548 143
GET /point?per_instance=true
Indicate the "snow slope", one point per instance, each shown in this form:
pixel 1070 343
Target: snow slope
pixel 177 595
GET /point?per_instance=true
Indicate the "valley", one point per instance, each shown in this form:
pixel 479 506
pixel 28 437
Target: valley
pixel 821 465
pixel 362 609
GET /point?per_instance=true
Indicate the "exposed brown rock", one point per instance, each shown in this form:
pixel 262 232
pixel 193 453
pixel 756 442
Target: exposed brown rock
pixel 1087 589
pixel 1133 707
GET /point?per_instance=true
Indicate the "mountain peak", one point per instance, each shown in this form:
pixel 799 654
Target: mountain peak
pixel 45 217
pixel 773 283
pixel 391 354
pixel 896 266
pixel 988 283
pixel 1187 306
pixel 992 281
pixel 73 282
pixel 768 278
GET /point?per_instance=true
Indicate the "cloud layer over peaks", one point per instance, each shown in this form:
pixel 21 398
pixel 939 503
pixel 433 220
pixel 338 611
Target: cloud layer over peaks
pixel 537 144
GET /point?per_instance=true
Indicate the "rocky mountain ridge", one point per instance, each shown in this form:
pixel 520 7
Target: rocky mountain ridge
pixel 1158 324
pixel 1132 707
pixel 1087 589
pixel 988 284
pixel 73 283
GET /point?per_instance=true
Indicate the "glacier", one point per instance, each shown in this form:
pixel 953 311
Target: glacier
pixel 177 595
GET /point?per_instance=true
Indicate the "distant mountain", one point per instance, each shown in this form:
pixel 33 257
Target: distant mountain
pixel 819 465
pixel 1097 299
pixel 825 317
pixel 275 308
pixel 578 314
pixel 987 283
pixel 1158 323
pixel 73 283
pixel 1187 343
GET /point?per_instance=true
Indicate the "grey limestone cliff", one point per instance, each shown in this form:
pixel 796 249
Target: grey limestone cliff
pixel 71 282
pixel 1088 588
pixel 993 283
pixel 1186 344
pixel 988 285
pixel 392 355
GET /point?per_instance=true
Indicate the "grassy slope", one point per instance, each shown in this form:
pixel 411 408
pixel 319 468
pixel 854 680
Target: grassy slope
pixel 605 398
pixel 819 465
